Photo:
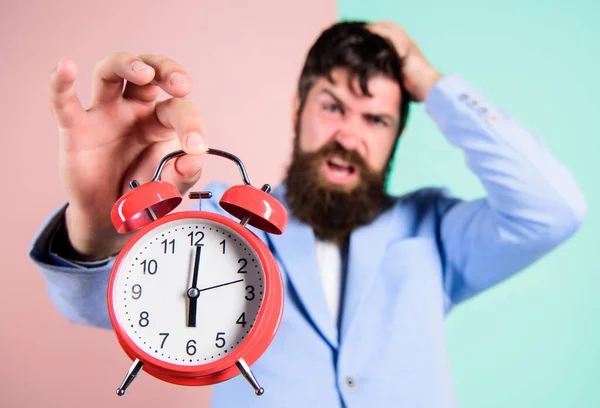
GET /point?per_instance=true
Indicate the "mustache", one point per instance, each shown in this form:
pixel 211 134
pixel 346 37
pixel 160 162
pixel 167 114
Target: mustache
pixel 334 147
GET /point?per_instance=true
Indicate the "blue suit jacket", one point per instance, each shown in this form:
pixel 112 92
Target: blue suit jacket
pixel 405 271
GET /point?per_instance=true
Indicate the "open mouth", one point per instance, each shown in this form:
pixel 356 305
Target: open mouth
pixel 340 171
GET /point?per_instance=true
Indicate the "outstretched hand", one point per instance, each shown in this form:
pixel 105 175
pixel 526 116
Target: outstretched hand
pixel 121 137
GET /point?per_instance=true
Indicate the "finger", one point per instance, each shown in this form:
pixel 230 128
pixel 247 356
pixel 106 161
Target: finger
pixel 65 104
pixel 394 34
pixel 144 93
pixel 183 172
pixel 111 72
pixel 379 29
pixel 170 76
pixel 188 169
pixel 386 25
pixel 181 115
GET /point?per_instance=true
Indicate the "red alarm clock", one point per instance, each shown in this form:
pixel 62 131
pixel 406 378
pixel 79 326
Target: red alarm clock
pixel 194 297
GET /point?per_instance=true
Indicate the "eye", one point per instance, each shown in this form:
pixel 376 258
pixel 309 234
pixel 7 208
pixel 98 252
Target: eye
pixel 376 120
pixel 333 108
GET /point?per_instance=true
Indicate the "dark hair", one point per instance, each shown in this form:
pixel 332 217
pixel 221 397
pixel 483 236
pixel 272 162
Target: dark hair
pixel 352 46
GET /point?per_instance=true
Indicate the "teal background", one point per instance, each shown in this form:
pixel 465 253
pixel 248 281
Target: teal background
pixel 534 340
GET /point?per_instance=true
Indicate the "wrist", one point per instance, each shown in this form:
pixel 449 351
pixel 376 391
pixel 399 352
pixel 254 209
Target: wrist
pixel 87 242
pixel 428 80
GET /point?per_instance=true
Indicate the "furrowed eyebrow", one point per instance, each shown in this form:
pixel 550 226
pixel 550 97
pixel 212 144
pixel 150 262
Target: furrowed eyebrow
pixel 338 100
pixel 386 116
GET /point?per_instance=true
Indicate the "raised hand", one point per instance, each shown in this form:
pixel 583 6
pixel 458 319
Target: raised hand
pixel 121 137
pixel 418 75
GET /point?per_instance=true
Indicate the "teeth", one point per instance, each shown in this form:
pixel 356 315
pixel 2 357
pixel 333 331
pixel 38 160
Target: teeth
pixel 339 172
pixel 339 162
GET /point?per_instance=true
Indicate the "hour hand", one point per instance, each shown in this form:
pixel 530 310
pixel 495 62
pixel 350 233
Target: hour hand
pixel 193 292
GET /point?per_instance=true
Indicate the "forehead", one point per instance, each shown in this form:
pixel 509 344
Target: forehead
pixel 385 92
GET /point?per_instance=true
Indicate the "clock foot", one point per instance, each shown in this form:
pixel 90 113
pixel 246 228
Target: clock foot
pixel 131 374
pixel 247 373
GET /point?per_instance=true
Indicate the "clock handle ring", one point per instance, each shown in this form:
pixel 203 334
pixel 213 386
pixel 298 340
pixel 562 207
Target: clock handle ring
pixel 215 152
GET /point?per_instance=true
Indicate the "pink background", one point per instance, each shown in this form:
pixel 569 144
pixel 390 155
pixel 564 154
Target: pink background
pixel 244 57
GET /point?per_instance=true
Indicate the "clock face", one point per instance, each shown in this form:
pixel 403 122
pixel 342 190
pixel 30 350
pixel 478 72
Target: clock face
pixel 188 291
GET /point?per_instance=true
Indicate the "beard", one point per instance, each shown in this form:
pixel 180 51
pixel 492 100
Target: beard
pixel 333 211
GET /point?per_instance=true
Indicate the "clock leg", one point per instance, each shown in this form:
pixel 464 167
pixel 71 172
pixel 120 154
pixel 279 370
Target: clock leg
pixel 247 373
pixel 131 374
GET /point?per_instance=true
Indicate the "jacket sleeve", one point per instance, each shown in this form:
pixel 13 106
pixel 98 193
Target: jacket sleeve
pixel 532 205
pixel 78 290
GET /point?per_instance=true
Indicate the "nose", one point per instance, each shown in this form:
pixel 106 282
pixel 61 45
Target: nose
pixel 348 136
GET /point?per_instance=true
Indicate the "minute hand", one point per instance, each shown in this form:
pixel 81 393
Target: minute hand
pixel 222 284
pixel 193 292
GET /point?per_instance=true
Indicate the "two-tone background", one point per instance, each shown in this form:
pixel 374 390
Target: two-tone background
pixel 533 341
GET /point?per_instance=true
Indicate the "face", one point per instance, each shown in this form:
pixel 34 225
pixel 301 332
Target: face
pixel 365 126
pixel 344 140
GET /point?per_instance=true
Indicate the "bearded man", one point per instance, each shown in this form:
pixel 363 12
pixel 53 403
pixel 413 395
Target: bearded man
pixel 369 278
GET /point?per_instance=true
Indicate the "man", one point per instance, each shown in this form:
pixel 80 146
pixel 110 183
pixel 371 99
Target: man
pixel 368 278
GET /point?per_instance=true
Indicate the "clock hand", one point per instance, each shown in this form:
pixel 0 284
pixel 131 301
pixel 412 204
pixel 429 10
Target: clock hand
pixel 223 284
pixel 193 292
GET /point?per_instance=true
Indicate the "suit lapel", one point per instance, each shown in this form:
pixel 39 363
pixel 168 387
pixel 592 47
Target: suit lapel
pixel 365 254
pixel 296 250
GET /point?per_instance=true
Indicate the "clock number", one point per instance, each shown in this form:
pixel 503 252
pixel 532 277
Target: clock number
pixel 194 234
pixel 191 348
pixel 220 340
pixel 223 243
pixel 242 320
pixel 244 262
pixel 137 291
pixel 150 266
pixel 163 342
pixel 250 288
pixel 168 244
pixel 144 319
